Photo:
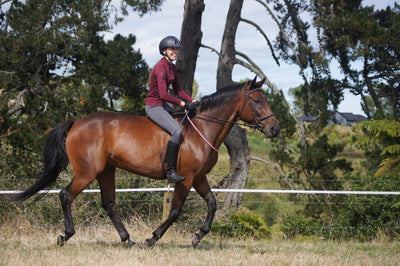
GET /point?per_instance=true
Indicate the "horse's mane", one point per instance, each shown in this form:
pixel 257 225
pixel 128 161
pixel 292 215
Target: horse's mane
pixel 219 97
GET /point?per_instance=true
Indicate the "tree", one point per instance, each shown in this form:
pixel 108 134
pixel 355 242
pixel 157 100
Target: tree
pixel 366 44
pixel 55 65
pixel 236 141
pixel 191 40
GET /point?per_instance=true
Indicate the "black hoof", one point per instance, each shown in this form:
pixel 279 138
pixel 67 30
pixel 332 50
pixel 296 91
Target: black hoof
pixel 60 240
pixel 131 243
pixel 195 240
pixel 149 243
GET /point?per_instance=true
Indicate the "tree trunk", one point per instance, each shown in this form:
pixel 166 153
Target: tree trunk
pixel 191 39
pixel 236 141
pixel 227 59
pixel 239 153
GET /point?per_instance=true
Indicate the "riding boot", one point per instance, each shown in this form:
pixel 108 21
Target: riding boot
pixel 171 156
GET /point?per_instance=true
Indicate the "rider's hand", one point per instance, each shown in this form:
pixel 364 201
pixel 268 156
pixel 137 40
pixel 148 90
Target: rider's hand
pixel 191 106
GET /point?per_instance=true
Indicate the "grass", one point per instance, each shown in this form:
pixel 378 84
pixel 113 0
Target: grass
pixel 24 244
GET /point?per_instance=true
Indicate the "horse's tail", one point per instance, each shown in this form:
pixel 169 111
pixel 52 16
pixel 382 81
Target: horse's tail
pixel 55 160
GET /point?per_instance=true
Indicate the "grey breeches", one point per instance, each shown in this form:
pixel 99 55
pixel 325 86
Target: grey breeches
pixel 160 114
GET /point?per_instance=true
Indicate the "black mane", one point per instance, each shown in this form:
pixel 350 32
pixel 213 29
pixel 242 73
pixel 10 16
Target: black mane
pixel 219 97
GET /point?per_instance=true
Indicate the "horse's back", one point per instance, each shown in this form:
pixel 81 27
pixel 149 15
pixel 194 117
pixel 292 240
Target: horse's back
pixel 122 140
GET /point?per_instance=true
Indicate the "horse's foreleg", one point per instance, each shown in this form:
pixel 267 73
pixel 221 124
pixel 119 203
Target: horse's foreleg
pixel 107 186
pixel 203 188
pixel 180 193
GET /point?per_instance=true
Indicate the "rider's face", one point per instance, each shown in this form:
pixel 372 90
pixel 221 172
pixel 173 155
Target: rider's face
pixel 172 53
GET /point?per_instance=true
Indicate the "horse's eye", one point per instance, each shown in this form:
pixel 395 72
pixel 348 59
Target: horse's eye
pixel 257 101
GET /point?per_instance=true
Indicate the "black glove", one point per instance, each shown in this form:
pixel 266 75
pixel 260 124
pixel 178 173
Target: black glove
pixel 191 107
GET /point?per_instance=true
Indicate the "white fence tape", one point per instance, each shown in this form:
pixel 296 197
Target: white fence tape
pixel 217 190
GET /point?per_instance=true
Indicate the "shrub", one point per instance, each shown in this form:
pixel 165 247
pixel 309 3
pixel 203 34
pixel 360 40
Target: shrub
pixel 366 216
pixel 295 225
pixel 242 224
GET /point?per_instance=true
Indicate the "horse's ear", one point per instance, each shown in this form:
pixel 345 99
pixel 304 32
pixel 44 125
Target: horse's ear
pixel 253 83
pixel 261 82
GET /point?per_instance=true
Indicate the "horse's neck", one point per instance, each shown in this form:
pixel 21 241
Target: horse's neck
pixel 216 125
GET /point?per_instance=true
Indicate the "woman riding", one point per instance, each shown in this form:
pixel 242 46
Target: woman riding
pixel 157 109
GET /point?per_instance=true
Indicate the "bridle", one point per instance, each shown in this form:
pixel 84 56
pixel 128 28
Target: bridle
pixel 254 112
pixel 257 117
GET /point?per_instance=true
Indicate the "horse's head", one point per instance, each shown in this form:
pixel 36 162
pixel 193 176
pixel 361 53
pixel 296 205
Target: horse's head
pixel 256 110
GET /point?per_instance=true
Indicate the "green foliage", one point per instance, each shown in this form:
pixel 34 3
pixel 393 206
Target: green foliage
pixel 364 217
pixel 55 66
pixel 383 136
pixel 281 109
pixel 242 224
pixel 349 32
pixel 352 33
pixel 298 225
pixel 315 167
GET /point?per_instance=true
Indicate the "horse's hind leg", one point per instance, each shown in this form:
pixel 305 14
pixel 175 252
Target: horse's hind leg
pixel 66 202
pixel 203 188
pixel 106 181
pixel 180 193
pixel 67 196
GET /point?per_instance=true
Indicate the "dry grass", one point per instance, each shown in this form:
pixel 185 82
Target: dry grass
pixel 24 244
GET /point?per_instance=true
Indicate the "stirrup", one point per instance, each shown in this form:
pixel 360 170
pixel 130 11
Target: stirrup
pixel 173 177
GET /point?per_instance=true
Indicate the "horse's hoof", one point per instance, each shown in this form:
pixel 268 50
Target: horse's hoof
pixel 149 243
pixel 195 240
pixel 131 243
pixel 60 240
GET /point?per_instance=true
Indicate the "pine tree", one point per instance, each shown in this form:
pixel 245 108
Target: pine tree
pixel 55 65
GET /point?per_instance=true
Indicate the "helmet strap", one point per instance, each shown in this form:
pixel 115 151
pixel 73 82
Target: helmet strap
pixel 166 55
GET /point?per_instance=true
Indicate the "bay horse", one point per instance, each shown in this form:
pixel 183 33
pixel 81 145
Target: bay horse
pixel 99 143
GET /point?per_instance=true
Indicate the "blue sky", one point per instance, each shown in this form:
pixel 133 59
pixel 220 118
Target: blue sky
pixel 151 28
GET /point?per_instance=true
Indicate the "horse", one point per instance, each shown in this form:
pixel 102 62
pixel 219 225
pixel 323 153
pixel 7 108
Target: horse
pixel 97 144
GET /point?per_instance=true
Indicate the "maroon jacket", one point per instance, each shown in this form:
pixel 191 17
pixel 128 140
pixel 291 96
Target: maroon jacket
pixel 163 75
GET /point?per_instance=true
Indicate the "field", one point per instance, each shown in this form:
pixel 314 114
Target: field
pixel 24 244
pixel 96 242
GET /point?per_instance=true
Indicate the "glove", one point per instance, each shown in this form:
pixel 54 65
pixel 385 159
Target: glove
pixel 191 107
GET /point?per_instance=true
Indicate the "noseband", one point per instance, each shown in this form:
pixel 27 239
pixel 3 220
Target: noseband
pixel 257 117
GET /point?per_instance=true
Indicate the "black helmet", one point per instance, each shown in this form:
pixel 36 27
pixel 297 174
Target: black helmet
pixel 169 41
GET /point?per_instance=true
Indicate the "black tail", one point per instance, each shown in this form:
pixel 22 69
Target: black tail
pixel 55 160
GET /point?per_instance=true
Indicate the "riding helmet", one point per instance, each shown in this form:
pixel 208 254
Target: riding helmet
pixel 169 42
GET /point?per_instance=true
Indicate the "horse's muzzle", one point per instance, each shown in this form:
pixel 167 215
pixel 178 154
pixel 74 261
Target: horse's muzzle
pixel 270 128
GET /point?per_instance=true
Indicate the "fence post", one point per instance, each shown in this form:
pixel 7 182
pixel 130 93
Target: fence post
pixel 167 201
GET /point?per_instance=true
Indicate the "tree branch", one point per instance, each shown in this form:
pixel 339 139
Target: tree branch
pixel 265 37
pixel 268 163
pixel 7 73
pixel 256 69
pixel 4 2
pixel 215 51
pixel 286 39
pixel 18 104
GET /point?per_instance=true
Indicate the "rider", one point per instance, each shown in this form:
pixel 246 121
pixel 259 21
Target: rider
pixel 157 109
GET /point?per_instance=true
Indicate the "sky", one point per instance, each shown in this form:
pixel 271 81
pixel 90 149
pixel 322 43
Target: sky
pixel 151 28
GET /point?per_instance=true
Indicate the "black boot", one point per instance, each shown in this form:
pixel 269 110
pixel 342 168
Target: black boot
pixel 171 156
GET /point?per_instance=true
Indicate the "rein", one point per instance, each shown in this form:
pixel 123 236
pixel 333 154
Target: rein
pixel 201 135
pixel 254 112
